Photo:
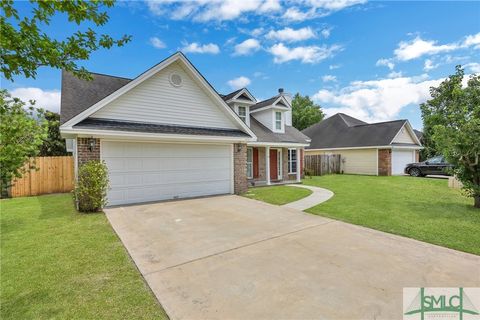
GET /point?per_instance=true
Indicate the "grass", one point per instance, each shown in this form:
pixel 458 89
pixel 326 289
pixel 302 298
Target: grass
pixel 57 263
pixel 421 208
pixel 278 195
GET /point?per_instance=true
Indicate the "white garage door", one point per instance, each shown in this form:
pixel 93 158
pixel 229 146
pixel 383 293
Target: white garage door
pixel 141 172
pixel 400 158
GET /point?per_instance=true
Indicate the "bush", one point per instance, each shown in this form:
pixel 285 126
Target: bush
pixel 91 187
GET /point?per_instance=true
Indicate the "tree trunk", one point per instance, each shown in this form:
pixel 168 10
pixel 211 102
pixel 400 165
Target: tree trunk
pixel 476 201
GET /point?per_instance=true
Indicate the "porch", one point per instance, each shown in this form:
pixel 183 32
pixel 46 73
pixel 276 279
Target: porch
pixel 269 165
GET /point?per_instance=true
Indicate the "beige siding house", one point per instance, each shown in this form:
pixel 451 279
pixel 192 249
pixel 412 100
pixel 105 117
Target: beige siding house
pixel 372 149
pixel 168 134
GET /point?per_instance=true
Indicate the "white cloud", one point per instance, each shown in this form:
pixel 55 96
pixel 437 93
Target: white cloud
pixel 318 8
pixel 247 47
pixel 260 75
pixel 239 82
pixel 46 99
pixel 473 67
pixel 294 14
pixel 291 35
pixel 308 54
pixel 334 66
pixel 376 100
pixel 408 50
pixel 386 62
pixel 472 40
pixel 326 32
pixel 195 47
pixel 429 65
pixel 395 74
pixel 329 78
pixel 228 10
pixel 157 43
pixel 257 31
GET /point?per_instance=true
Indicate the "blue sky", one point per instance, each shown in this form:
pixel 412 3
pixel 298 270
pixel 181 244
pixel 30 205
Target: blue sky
pixel 372 60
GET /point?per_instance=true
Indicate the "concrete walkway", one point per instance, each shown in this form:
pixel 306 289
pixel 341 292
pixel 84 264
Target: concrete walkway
pixel 319 195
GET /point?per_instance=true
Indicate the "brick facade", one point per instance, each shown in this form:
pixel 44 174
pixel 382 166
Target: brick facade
pixel 240 182
pixel 384 162
pixel 83 150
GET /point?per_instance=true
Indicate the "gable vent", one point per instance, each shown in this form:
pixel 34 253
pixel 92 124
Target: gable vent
pixel 175 80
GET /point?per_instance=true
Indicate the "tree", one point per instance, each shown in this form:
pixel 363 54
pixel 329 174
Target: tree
pixel 305 112
pixel 22 131
pixel 453 114
pixel 24 47
pixel 54 144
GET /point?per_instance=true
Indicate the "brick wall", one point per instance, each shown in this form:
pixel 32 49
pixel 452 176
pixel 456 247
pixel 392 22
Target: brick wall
pixel 240 182
pixel 84 153
pixel 384 162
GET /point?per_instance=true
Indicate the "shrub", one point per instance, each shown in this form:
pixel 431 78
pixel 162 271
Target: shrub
pixel 91 187
pixel 308 173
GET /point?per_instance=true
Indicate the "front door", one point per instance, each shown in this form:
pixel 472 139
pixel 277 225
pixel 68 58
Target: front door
pixel 273 164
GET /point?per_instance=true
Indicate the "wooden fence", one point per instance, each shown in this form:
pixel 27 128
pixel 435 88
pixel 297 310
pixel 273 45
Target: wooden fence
pixel 320 164
pixel 53 174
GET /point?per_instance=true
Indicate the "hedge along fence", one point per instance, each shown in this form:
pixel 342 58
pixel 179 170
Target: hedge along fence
pixel 52 175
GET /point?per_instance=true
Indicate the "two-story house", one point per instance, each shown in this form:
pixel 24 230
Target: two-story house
pixel 277 154
pixel 168 134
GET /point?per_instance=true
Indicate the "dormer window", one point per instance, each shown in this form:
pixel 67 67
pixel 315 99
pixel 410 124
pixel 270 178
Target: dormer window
pixel 278 120
pixel 242 113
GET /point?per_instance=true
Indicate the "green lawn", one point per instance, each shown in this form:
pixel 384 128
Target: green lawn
pixel 421 208
pixel 57 263
pixel 277 194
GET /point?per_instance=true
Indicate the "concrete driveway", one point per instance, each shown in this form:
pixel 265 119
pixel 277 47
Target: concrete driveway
pixel 229 257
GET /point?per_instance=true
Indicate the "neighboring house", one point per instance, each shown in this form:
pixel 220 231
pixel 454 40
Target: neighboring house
pixel 168 134
pixel 382 148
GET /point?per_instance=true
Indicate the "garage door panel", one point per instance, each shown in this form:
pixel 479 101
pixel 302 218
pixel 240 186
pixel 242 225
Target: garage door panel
pixel 141 172
pixel 400 158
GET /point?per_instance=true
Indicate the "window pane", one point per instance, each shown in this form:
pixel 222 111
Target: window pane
pixel 249 170
pixel 278 115
pixel 242 111
pixel 249 154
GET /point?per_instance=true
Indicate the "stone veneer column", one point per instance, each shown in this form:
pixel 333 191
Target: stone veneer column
pixel 83 150
pixel 240 182
pixel 384 162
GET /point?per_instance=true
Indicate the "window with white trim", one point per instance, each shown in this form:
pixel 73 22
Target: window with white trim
pixel 242 113
pixel 292 160
pixel 249 163
pixel 278 120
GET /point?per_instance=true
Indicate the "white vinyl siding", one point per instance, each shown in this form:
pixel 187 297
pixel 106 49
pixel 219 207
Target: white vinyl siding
pixel 403 136
pixel 141 172
pixel 354 161
pixel 400 158
pixel 157 101
pixel 265 117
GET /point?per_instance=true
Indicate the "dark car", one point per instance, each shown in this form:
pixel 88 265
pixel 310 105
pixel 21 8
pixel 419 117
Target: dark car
pixel 436 165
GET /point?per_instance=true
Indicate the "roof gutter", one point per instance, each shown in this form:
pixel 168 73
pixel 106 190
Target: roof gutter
pixel 69 133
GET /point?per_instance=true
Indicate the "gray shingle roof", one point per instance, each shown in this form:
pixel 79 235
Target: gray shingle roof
pixel 78 95
pixel 342 131
pixel 230 95
pixel 114 125
pixel 263 103
pixel 264 134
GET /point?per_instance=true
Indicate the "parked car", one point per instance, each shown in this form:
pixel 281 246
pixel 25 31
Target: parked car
pixel 436 165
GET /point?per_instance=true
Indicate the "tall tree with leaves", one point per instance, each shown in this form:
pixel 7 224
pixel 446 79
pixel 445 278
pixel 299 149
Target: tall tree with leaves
pixel 305 112
pixel 453 116
pixel 24 47
pixel 54 144
pixel 22 131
